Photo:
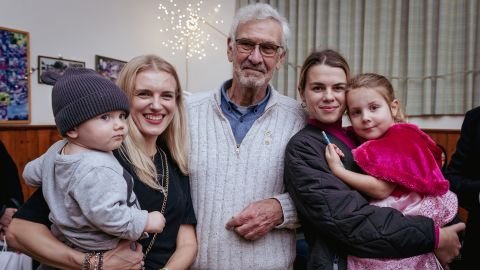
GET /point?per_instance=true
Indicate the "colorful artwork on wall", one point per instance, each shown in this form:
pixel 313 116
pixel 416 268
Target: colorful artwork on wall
pixel 14 76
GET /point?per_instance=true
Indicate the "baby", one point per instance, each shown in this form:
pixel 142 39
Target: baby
pixel 89 194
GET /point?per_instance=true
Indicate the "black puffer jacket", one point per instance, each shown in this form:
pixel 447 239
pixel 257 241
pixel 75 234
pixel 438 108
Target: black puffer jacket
pixel 338 220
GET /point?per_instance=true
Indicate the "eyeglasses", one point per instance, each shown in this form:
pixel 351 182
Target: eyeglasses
pixel 266 49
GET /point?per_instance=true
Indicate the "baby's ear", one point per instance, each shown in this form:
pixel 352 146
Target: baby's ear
pixel 72 134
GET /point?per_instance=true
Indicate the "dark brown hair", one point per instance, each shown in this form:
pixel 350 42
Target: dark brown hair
pixel 326 57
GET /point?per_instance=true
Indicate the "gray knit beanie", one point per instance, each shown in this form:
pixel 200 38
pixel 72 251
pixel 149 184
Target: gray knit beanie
pixel 81 94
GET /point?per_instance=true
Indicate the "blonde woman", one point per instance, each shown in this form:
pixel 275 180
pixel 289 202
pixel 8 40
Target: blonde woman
pixel 154 153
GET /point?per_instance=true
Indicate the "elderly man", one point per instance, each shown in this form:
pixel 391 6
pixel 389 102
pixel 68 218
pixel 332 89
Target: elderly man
pixel 238 136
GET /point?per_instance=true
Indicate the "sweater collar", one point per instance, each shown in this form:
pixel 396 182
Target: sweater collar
pixel 272 99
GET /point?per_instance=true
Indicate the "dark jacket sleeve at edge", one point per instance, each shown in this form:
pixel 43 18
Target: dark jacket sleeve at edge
pixel 462 171
pixel 35 209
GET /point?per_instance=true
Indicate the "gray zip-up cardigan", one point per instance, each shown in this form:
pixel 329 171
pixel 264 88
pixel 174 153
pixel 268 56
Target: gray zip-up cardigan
pixel 226 177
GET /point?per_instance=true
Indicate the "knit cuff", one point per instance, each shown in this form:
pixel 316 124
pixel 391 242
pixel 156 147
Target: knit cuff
pixel 139 219
pixel 290 219
pixel 437 236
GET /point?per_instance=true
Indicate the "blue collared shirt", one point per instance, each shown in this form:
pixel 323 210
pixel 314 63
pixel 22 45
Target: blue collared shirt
pixel 241 118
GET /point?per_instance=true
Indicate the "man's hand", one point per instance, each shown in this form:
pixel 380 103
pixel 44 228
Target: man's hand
pixel 449 244
pixel 257 219
pixel 123 257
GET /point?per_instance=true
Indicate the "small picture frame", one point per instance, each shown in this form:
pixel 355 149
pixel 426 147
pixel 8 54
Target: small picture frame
pixel 57 65
pixel 14 76
pixel 108 67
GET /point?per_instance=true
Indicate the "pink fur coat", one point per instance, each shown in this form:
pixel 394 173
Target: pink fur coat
pixel 408 157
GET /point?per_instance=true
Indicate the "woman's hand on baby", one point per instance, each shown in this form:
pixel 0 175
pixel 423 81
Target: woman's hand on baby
pixel 123 257
pixel 7 216
pixel 155 223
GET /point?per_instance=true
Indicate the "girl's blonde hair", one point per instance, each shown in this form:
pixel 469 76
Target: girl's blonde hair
pixel 174 136
pixel 380 84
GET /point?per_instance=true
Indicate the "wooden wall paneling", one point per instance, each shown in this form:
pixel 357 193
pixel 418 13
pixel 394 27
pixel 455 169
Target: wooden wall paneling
pixel 30 147
pixel 452 143
pixel 446 137
pixel 19 157
pixel 449 139
pixel 7 139
pixel 25 143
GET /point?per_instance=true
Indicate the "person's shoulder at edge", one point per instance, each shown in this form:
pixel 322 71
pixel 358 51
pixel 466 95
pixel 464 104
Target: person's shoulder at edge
pixel 473 114
pixel 476 110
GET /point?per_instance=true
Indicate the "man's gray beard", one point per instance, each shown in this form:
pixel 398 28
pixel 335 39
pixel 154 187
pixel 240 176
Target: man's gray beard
pixel 252 82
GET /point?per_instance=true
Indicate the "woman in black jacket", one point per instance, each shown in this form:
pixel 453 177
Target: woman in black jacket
pixel 338 220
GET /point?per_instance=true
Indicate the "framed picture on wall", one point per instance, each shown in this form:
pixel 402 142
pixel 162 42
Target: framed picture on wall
pixel 56 65
pixel 14 76
pixel 108 67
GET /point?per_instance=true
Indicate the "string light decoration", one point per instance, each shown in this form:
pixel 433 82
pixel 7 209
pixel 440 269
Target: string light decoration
pixel 184 22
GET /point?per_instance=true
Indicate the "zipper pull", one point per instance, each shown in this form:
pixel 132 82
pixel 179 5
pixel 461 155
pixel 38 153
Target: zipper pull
pixel 335 262
pixel 237 149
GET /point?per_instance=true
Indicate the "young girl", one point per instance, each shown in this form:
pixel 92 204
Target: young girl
pixel 403 165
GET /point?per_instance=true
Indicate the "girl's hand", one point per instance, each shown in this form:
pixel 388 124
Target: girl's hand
pixel 333 154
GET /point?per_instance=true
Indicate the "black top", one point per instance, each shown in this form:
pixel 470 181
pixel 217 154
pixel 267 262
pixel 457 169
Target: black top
pixel 464 175
pixel 179 209
pixel 338 220
pixel 11 195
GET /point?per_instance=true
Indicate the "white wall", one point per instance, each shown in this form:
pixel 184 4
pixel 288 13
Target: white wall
pixel 123 29
pixel 118 29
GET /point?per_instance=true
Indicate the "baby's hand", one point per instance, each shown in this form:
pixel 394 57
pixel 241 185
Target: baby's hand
pixel 155 222
pixel 333 155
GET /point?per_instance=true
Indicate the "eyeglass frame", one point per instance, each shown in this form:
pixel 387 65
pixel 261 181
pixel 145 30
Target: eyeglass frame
pixel 260 46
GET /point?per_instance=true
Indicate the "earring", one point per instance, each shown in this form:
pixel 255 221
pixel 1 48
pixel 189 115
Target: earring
pixel 304 105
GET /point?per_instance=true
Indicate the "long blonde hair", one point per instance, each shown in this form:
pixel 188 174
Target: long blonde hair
pixel 174 136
